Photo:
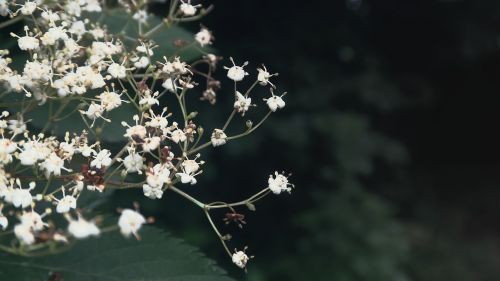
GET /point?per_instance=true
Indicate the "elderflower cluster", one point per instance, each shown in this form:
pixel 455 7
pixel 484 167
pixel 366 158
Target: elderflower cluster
pixel 76 68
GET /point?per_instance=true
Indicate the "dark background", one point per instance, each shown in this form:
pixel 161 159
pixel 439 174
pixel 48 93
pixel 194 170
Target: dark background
pixel 389 131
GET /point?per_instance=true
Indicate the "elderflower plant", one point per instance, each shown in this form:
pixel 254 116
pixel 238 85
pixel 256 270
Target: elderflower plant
pixel 79 65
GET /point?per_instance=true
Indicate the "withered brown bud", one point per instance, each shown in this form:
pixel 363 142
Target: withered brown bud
pixel 179 43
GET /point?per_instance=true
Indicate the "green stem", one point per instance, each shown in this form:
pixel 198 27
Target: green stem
pixel 197 17
pixel 187 196
pixel 46 188
pixel 10 21
pixel 251 199
pixel 218 233
pixel 252 129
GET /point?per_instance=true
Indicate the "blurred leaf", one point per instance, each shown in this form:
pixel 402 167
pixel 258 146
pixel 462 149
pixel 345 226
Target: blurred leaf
pixel 356 144
pixel 111 257
pixel 352 235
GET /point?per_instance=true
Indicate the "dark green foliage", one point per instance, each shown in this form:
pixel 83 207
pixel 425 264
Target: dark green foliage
pixel 158 257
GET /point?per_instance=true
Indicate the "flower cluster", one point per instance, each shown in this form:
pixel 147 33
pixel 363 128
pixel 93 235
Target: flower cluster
pixel 78 66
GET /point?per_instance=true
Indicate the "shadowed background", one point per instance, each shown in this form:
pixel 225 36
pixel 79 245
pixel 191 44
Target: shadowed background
pixel 389 132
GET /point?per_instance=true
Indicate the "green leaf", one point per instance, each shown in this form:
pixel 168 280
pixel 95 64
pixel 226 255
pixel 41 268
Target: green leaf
pixel 69 119
pixel 118 21
pixel 111 257
pixel 112 132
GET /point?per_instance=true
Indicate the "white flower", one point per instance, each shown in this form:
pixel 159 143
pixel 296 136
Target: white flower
pixel 275 102
pixel 240 259
pixel 7 146
pixel 169 85
pixel 24 234
pixel 5 158
pixel 73 8
pixel 149 99
pixel 53 165
pixel 33 220
pixel 82 229
pixel 71 47
pixel 151 143
pixel 4 8
pixel 144 49
pixel 6 193
pixel 53 34
pixel 60 238
pixel 77 28
pixel 93 6
pixel 152 192
pixel 117 70
pixel 157 121
pixel 242 103
pixel 101 50
pixel 67 203
pixel 264 75
pixel 37 71
pixel 141 62
pixel 79 185
pixel 28 8
pixel 157 176
pixel 50 16
pixel 174 67
pixel 17 126
pixel 94 111
pixel 137 130
pixel 204 37
pixel 42 149
pixel 28 157
pixel 30 221
pixel 88 77
pixel 4 222
pixel 189 168
pixel 28 43
pixel 279 183
pixel 22 197
pixel 187 9
pixel 218 137
pixel 62 87
pixel 97 32
pixel 67 149
pixel 236 73
pixel 187 178
pixel 186 83
pixel 133 163
pixel 102 159
pixel 110 100
pixel 179 66
pixel 16 82
pixel 141 16
pixel 178 136
pixel 130 222
pixel 86 150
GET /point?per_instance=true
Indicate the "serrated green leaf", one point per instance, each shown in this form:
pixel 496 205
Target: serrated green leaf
pixel 156 257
